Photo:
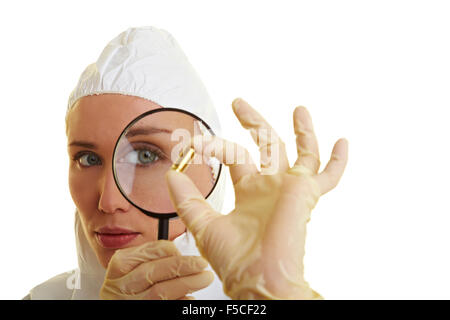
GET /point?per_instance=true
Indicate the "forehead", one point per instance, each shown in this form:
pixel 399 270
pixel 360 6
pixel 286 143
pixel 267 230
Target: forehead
pixel 102 118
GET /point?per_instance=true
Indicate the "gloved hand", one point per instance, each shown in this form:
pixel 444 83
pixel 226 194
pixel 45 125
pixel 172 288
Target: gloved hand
pixel 257 249
pixel 152 271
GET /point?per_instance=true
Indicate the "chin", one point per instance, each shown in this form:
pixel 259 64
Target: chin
pixel 104 258
pixel 104 255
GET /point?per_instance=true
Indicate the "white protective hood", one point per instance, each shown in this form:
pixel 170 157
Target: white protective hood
pixel 146 62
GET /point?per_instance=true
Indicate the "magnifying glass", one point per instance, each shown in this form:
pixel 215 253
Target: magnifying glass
pixel 155 142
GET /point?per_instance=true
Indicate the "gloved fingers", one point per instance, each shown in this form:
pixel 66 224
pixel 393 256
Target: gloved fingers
pixel 179 287
pixel 125 260
pixel 190 204
pixel 330 176
pixel 271 147
pixel 233 155
pixel 307 146
pixel 149 273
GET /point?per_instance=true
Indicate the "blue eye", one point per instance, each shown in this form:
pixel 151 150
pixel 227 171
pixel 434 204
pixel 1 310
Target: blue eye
pixel 142 157
pixel 89 159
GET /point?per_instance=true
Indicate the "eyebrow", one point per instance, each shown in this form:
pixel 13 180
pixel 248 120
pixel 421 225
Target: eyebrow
pixel 83 144
pixel 145 131
pixel 133 132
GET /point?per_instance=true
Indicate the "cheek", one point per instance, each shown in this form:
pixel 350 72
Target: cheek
pixel 201 175
pixel 83 189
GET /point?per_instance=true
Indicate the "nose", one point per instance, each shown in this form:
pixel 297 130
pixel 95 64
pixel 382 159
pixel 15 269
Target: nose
pixel 111 200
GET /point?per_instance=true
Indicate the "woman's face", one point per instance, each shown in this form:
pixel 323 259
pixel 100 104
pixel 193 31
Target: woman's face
pixel 93 125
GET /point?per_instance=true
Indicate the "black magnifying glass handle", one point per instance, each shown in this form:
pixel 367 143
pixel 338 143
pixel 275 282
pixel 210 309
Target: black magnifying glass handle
pixel 180 165
pixel 163 229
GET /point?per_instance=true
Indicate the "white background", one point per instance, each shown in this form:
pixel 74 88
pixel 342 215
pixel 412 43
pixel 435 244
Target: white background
pixel 375 72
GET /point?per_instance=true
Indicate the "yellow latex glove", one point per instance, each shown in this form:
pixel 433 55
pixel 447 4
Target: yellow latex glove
pixel 257 249
pixel 152 271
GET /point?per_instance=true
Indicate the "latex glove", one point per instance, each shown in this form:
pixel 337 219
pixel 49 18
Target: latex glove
pixel 152 271
pixel 257 249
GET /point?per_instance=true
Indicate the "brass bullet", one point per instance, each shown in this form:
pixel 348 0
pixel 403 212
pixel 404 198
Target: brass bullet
pixel 183 161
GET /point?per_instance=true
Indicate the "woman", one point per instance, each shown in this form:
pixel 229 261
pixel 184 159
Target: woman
pixel 256 251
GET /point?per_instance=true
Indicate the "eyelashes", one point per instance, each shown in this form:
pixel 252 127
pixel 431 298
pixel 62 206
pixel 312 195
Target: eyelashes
pixel 141 157
pixel 87 159
pixel 140 154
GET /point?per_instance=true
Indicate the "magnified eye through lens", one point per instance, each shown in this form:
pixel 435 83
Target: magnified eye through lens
pixel 142 156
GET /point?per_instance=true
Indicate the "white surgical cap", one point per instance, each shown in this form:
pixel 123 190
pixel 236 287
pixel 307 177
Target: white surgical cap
pixel 145 62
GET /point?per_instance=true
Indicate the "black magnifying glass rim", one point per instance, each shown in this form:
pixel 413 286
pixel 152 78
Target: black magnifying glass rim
pixel 158 215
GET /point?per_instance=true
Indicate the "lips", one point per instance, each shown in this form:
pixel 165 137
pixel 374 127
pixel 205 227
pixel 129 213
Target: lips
pixel 114 237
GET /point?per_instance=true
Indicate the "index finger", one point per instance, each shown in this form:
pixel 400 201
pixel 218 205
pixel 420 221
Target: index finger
pixel 307 146
pixel 125 260
pixel 271 147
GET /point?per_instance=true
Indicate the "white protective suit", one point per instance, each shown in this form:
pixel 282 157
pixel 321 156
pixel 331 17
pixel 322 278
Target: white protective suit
pixel 146 62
